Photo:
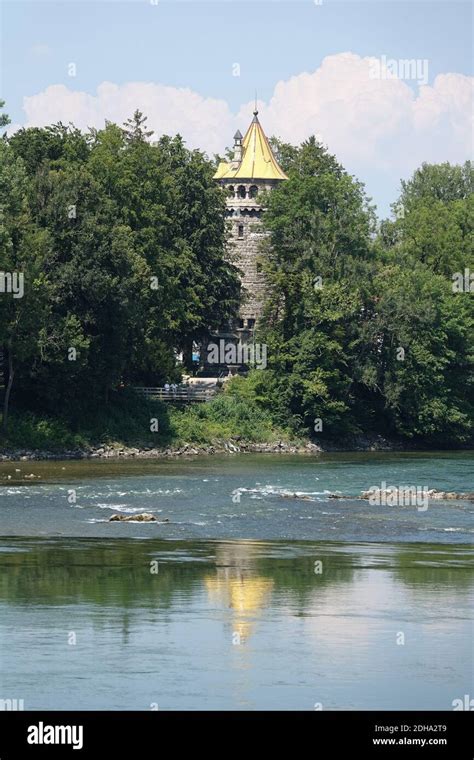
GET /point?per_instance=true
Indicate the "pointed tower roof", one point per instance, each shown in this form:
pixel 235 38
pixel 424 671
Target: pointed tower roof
pixel 258 161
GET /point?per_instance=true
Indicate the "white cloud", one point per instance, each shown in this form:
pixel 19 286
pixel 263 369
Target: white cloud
pixel 374 123
pixel 377 125
pixel 204 122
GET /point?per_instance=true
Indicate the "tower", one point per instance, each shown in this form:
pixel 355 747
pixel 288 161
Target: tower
pixel 252 170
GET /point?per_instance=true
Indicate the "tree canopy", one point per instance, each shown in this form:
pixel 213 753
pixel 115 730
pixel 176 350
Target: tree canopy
pixel 120 240
pixel 122 246
pixel 365 331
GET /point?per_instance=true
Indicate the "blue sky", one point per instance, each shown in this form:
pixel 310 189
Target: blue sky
pixel 194 45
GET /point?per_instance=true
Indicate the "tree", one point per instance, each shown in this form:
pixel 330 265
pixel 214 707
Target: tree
pixel 53 147
pixel 316 261
pixel 4 118
pixel 366 333
pixel 438 182
pixel 435 223
pixel 166 195
pixel 135 128
pixel 415 354
pixel 133 256
pixel 24 302
pixel 100 279
pixel 438 234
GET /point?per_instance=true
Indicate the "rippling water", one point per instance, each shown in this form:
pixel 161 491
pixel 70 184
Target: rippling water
pixel 247 599
pixel 239 497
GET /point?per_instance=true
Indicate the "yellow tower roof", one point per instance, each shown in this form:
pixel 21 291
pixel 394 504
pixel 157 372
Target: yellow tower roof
pixel 258 161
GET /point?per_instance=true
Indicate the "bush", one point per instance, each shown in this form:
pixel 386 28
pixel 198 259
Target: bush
pixel 126 420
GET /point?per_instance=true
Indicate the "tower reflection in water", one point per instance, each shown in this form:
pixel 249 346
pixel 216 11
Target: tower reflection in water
pixel 237 586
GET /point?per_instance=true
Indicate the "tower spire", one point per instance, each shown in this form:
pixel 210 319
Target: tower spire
pixel 255 110
pixel 253 157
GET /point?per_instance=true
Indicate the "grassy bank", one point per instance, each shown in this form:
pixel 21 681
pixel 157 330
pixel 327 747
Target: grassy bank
pixel 132 421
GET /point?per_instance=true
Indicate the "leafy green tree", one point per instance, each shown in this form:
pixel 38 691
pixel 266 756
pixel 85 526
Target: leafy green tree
pixel 365 333
pixel 166 195
pixel 55 147
pixel 415 355
pixel 133 259
pixel 435 219
pixel 24 249
pixel 317 257
pixel 438 234
pixel 100 278
pixel 438 182
pixel 4 118
pixel 135 128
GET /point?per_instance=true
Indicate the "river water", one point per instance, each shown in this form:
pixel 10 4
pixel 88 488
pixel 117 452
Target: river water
pixel 248 598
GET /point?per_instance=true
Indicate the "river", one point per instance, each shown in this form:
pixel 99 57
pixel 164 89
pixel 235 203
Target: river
pixel 248 598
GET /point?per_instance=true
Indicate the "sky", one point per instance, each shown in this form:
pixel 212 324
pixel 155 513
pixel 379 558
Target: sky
pixel 384 85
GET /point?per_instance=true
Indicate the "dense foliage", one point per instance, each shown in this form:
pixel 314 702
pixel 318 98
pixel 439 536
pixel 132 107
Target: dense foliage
pixel 121 241
pixel 122 247
pixel 365 328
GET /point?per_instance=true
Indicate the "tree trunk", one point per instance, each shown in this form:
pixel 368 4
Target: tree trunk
pixel 6 402
pixel 188 356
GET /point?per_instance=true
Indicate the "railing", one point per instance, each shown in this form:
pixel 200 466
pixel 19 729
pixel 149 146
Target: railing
pixel 180 394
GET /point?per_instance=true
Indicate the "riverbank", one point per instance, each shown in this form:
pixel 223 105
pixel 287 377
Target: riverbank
pixel 232 446
pixel 131 428
pixel 118 450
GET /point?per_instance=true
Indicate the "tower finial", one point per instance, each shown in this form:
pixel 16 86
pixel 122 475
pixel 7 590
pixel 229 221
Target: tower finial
pixel 255 112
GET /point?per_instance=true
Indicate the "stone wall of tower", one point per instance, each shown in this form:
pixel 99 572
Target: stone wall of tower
pixel 244 210
pixel 246 249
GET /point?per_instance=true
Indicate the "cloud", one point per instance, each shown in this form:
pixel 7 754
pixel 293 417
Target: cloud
pixel 204 122
pixel 382 125
pixel 377 123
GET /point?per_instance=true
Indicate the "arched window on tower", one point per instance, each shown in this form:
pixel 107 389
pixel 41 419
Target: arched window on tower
pixel 240 230
pixel 253 191
pixel 231 191
pixel 241 191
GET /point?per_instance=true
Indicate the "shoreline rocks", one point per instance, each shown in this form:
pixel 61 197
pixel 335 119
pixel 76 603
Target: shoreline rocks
pixel 218 447
pixel 108 451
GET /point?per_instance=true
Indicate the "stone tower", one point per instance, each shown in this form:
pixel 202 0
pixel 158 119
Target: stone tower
pixel 252 170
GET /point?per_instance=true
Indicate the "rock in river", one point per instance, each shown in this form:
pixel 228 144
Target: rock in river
pixel 142 517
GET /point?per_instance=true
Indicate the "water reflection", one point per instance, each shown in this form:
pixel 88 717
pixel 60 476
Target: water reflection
pixel 237 586
pixel 234 624
pixel 239 575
